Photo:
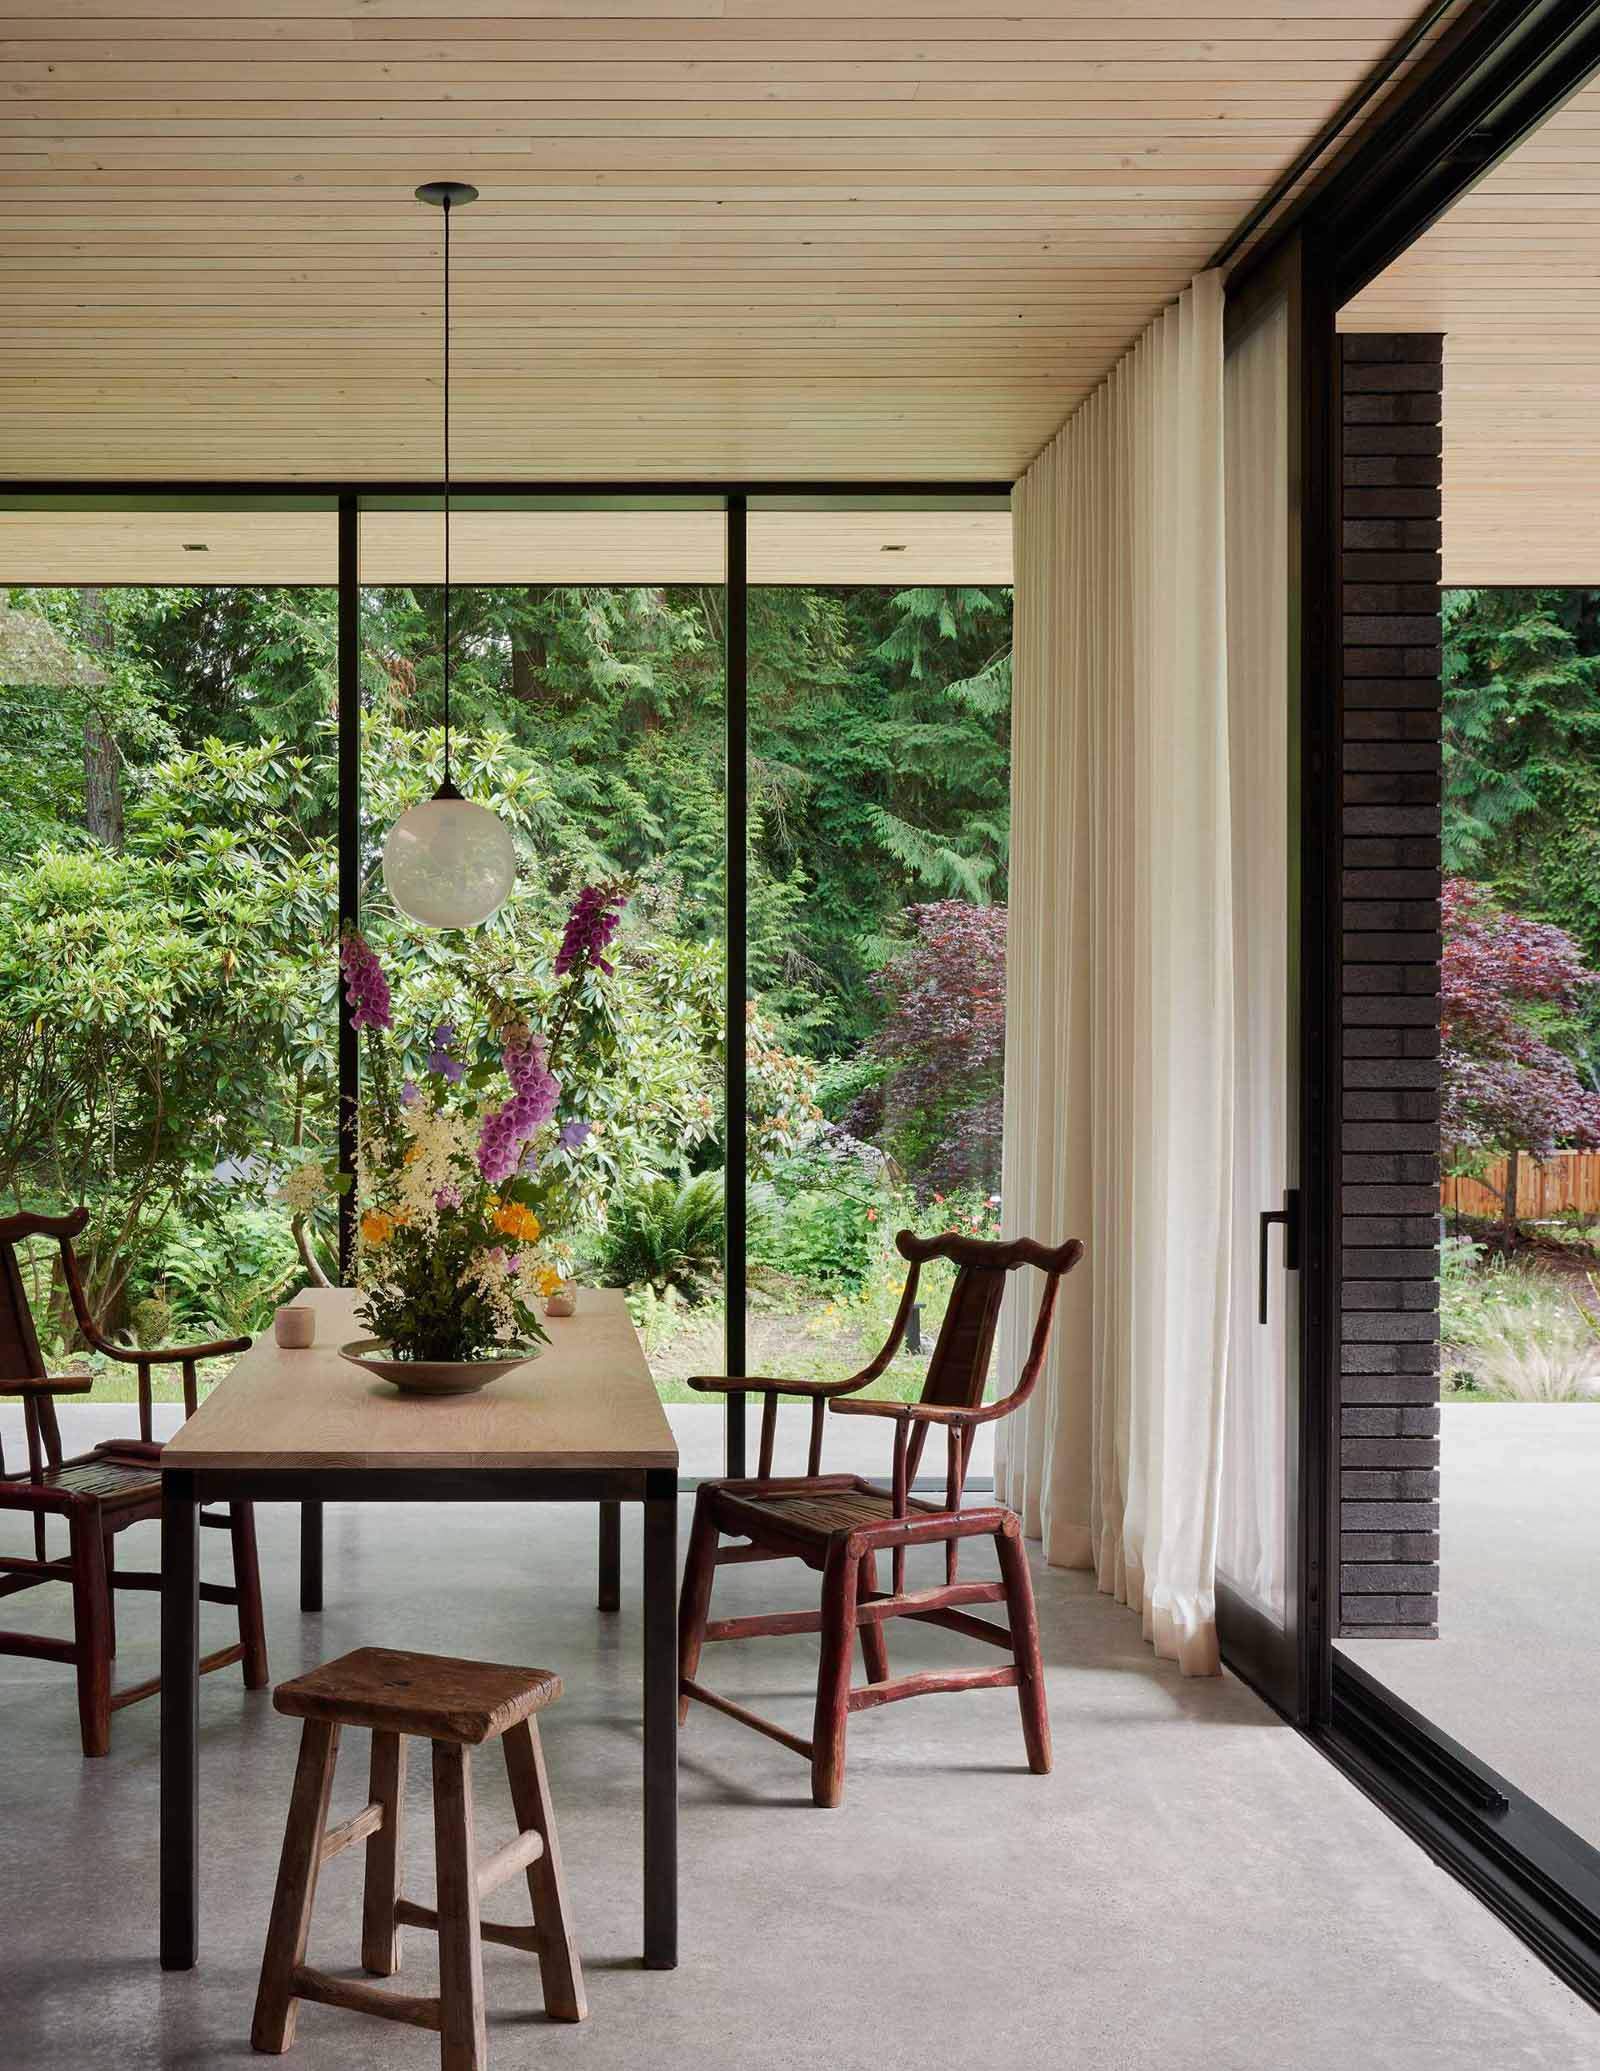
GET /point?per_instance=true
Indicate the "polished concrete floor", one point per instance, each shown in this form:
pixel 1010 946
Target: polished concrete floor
pixel 1193 1886
pixel 1515 1672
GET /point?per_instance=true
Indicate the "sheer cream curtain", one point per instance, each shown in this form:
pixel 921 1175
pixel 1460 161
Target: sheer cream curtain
pixel 1121 1011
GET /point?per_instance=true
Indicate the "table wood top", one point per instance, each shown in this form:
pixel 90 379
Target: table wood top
pixel 587 1401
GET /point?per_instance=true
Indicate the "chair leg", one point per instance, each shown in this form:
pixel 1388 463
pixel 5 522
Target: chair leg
pixel 380 1933
pixel 874 1641
pixel 839 1583
pixel 272 2029
pixel 1024 1623
pixel 699 1572
pixel 91 1629
pixel 559 1969
pixel 247 1586
pixel 463 2036
pixel 111 1594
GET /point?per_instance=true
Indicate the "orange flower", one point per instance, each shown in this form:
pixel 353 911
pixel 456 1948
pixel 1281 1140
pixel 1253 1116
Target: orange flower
pixel 376 1227
pixel 516 1221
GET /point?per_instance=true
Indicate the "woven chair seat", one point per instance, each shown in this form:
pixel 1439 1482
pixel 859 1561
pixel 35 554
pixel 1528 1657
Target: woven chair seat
pixel 103 1478
pixel 818 1512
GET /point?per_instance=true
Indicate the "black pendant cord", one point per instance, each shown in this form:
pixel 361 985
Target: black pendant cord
pixel 447 195
pixel 446 205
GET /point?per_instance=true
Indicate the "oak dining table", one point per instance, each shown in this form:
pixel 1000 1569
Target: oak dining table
pixel 580 1423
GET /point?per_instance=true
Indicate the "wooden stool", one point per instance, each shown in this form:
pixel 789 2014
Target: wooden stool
pixel 457 1705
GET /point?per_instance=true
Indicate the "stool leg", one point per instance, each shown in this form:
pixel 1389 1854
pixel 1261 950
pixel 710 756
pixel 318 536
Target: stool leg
pixel 380 1935
pixel 559 1970
pixel 273 2027
pixel 463 2038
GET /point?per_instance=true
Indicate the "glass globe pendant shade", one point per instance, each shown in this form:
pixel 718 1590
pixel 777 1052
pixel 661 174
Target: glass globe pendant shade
pixel 449 863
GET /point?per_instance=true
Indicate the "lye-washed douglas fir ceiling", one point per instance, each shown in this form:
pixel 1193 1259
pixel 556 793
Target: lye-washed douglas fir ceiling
pixel 718 238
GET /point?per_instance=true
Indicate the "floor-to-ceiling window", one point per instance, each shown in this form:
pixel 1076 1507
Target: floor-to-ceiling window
pixel 167 903
pixel 588 710
pixel 193 693
pixel 878 845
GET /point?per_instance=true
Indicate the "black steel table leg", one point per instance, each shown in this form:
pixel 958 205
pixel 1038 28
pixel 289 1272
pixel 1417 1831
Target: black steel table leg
pixel 311 1556
pixel 610 1597
pixel 180 1723
pixel 660 1565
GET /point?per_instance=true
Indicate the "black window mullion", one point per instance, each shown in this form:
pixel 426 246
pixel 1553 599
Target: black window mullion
pixel 736 918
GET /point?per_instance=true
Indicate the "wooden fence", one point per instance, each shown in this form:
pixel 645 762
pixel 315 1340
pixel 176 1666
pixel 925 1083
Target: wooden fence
pixel 1545 1187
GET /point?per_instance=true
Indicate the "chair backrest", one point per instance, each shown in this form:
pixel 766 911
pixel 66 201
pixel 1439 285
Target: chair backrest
pixel 20 1357
pixel 959 1368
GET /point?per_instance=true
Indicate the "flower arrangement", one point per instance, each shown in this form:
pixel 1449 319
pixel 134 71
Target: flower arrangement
pixel 464 1170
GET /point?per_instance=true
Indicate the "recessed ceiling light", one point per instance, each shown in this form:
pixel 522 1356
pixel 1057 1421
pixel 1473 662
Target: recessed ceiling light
pixel 900 549
pixel 195 546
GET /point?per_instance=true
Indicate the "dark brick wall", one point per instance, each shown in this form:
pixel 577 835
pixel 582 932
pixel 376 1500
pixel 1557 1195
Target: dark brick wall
pixel 1389 1162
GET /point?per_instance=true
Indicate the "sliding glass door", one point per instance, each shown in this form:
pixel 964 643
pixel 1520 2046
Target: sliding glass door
pixel 1268 1538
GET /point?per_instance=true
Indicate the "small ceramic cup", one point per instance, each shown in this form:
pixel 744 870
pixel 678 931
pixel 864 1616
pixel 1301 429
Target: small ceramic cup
pixel 295 1326
pixel 563 1302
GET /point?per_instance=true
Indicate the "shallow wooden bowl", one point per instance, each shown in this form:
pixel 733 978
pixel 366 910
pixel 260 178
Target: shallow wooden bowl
pixel 428 1376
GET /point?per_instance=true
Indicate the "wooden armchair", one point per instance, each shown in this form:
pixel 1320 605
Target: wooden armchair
pixel 840 1523
pixel 100 1493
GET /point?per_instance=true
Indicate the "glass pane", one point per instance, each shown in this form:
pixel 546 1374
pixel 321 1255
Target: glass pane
pixel 1512 1674
pixel 879 836
pixel 167 911
pixel 587 713
pixel 1252 1541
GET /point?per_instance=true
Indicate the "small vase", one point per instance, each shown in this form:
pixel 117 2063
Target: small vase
pixel 564 1302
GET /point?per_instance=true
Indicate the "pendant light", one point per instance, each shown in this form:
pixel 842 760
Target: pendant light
pixel 448 863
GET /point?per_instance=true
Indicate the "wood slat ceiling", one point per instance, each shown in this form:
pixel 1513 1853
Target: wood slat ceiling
pixel 741 239
pixel 1512 277
pixel 204 546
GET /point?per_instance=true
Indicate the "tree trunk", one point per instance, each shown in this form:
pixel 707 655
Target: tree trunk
pixel 1508 1200
pixel 102 768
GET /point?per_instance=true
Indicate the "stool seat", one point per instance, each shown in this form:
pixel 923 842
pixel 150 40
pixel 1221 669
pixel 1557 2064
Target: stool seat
pixel 432 1696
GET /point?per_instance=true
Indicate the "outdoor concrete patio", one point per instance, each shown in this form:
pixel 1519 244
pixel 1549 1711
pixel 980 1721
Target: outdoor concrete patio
pixel 1515 1671
pixel 1193 1885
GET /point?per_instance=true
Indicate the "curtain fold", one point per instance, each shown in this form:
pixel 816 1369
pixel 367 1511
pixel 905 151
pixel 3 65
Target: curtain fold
pixel 1120 1009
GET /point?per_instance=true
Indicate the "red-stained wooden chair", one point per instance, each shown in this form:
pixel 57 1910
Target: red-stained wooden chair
pixel 840 1523
pixel 100 1493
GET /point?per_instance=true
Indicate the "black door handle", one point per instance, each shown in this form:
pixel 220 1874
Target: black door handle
pixel 1289 1216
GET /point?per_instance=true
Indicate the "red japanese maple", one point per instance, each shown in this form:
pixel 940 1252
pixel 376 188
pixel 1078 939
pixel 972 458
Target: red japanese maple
pixel 1506 984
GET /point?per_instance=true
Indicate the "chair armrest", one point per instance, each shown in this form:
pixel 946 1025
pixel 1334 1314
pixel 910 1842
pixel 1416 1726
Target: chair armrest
pixel 50 1384
pixel 171 1355
pixel 767 1384
pixel 910 1412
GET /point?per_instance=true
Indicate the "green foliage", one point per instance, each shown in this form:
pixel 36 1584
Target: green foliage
pixel 1512 1332
pixel 221 1275
pixel 168 974
pixel 667 1236
pixel 1522 750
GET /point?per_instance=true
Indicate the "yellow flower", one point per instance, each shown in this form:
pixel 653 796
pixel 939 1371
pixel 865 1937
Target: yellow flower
pixel 376 1227
pixel 519 1222
pixel 549 1280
